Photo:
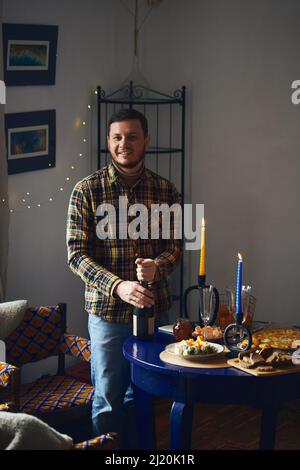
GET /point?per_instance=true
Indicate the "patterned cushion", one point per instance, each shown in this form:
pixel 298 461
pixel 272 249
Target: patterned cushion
pixel 37 337
pixel 76 346
pixel 50 393
pixel 6 373
pixel 105 442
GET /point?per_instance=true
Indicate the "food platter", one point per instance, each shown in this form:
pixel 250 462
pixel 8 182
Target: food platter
pixel 276 337
pixel 174 350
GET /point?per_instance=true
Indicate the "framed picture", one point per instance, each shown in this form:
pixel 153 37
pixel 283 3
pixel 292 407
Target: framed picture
pixel 29 54
pixel 30 141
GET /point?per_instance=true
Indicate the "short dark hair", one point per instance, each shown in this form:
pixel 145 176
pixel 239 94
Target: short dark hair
pixel 126 114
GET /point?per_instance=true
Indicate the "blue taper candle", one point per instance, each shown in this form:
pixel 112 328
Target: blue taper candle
pixel 239 279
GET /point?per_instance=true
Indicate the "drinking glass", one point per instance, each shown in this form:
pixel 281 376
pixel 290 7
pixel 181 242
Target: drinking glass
pixel 230 302
pixel 226 312
pixel 206 307
pixel 248 303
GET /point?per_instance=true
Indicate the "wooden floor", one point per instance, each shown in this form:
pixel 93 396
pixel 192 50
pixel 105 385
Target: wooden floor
pixel 222 427
pixel 230 427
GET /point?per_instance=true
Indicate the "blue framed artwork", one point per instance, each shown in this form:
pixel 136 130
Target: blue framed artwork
pixel 29 54
pixel 30 141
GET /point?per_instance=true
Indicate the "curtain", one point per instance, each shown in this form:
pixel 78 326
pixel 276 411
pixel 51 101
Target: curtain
pixel 4 212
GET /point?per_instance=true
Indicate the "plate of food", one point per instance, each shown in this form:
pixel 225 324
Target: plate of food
pixel 208 333
pixel 195 350
pixel 276 337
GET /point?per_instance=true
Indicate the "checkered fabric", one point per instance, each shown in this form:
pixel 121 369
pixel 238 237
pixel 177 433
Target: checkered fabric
pixel 103 263
pixel 37 337
pixel 76 346
pixel 6 373
pixel 50 393
pixel 105 442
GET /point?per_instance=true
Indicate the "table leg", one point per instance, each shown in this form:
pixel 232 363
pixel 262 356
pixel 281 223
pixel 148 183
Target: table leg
pixel 181 421
pixel 268 426
pixel 145 419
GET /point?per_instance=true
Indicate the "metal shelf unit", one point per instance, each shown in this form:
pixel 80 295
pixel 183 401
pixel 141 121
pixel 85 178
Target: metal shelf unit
pixel 166 119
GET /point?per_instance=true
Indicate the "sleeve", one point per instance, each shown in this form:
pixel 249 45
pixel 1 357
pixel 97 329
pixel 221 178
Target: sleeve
pixel 79 226
pixel 168 260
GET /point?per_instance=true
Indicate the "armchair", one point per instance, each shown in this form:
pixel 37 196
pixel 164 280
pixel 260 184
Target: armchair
pixel 58 399
pixel 22 431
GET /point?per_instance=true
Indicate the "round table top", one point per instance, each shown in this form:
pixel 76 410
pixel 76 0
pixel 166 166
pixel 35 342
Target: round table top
pixel 153 375
pixel 146 354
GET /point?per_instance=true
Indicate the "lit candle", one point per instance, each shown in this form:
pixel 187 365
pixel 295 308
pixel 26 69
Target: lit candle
pixel 238 304
pixel 202 254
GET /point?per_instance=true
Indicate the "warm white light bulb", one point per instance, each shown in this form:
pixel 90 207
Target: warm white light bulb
pixel 61 189
pixel 39 205
pixel 84 140
pixel 80 154
pixel 73 167
pixel 28 207
pixel 50 199
pixel 89 106
pixel 67 178
pixel 28 194
pixel 3 200
pixel 11 211
pixel 83 123
pixel 23 200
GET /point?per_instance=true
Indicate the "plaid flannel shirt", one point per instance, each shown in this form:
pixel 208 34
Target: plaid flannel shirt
pixel 102 263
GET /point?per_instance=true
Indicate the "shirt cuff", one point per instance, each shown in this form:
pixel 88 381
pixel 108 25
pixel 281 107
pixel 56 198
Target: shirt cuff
pixel 115 284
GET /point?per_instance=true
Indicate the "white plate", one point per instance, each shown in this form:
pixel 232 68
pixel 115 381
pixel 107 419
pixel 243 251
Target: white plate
pixel 171 348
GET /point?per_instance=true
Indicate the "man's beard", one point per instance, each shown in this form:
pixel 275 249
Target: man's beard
pixel 129 165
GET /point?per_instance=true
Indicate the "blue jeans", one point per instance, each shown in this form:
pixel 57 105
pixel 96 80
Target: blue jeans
pixel 113 404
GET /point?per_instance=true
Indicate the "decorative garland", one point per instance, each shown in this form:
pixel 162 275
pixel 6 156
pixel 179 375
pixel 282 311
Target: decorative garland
pixel 26 203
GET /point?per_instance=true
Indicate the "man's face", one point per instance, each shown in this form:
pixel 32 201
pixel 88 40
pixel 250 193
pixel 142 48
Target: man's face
pixel 127 143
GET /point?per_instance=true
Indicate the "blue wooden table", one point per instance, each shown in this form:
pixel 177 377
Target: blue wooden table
pixel 186 386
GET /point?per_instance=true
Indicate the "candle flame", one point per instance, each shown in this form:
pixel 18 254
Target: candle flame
pixel 203 222
pixel 240 257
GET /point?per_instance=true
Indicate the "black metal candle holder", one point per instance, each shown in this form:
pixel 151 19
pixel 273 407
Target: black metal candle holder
pixel 235 334
pixel 201 285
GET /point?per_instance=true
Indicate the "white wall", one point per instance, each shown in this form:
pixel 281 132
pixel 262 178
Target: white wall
pixel 93 48
pixel 238 59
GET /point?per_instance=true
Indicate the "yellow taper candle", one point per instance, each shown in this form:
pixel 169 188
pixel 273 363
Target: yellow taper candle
pixel 202 254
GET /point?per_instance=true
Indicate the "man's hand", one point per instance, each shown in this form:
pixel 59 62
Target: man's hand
pixel 135 294
pixel 146 269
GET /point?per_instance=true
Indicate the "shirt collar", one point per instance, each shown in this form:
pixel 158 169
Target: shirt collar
pixel 113 174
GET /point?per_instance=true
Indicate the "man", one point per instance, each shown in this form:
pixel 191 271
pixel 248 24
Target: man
pixel 112 267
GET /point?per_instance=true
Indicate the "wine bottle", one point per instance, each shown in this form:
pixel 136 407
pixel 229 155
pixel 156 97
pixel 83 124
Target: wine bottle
pixel 143 323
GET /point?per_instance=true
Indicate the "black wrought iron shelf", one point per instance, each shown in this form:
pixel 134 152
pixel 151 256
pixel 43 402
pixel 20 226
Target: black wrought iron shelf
pixel 173 106
pixel 145 102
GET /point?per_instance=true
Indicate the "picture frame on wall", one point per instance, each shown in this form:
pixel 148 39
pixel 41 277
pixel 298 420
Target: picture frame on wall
pixel 30 141
pixel 29 54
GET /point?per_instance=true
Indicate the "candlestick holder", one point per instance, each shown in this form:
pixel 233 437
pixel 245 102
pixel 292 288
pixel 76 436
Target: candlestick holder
pixel 208 302
pixel 237 337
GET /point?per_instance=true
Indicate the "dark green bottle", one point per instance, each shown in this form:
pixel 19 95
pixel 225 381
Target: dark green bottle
pixel 143 323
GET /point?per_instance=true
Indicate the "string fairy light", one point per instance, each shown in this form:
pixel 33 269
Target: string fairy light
pixel 27 202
